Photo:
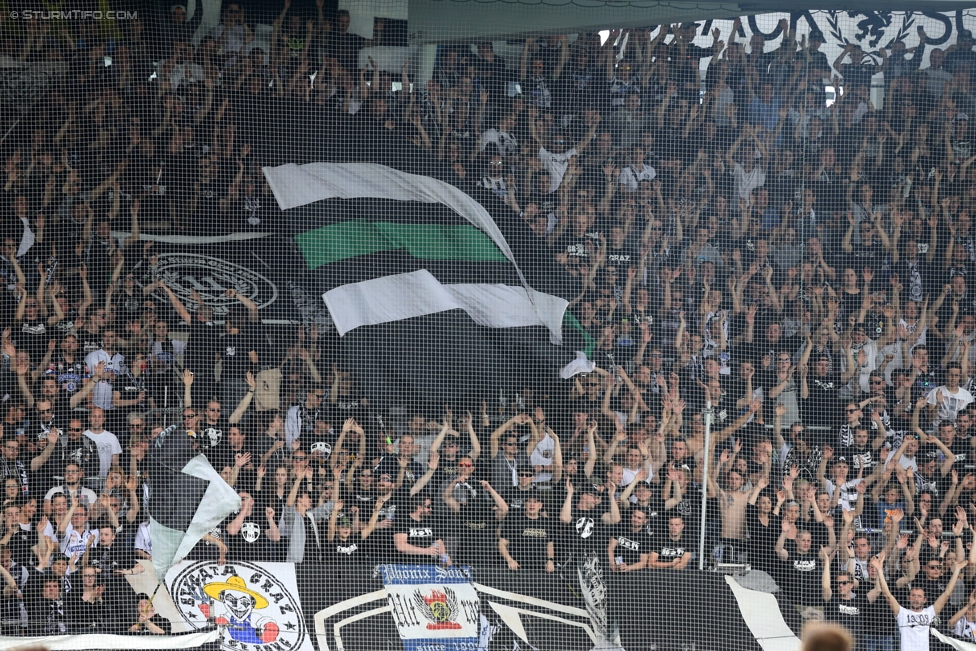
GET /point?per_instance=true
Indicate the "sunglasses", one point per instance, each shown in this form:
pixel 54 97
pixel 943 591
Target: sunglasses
pixel 465 465
pixel 844 582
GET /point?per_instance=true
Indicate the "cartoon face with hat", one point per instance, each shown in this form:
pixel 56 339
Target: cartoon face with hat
pixel 240 602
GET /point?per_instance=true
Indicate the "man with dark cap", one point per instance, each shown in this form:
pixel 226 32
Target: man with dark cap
pixel 817 59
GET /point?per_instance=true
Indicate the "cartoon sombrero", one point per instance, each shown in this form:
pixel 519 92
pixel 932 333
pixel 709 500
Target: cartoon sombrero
pixel 235 583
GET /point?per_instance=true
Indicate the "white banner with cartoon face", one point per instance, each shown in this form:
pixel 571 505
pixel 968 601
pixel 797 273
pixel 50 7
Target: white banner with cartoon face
pixel 257 603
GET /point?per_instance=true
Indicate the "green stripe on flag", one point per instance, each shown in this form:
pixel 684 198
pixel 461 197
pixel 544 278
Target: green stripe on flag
pixel 440 242
pixel 422 241
pixel 340 241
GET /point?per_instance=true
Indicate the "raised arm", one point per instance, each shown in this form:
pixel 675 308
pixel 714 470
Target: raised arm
pixel 944 597
pixel 878 563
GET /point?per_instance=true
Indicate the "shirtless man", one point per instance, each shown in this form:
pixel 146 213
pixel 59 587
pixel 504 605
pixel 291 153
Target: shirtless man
pixel 732 501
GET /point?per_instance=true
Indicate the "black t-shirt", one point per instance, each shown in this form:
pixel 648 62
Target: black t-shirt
pixel 474 525
pixel 851 613
pixel 820 408
pixel 203 342
pixel 33 337
pixel 20 546
pixel 129 387
pixel 631 545
pixel 380 543
pixel 81 451
pixel 358 496
pixel 234 351
pixel 586 531
pixel 762 539
pixel 209 434
pixel 626 256
pixel 419 534
pixel 669 549
pixel 689 508
pixel 338 551
pixel 250 543
pixel 801 576
pixel 527 538
pixel 88 342
pixel 388 465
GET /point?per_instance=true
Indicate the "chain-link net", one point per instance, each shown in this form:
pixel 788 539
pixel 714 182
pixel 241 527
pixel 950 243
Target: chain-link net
pixel 322 330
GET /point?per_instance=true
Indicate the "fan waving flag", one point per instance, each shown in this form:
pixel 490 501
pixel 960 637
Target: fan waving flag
pixel 187 498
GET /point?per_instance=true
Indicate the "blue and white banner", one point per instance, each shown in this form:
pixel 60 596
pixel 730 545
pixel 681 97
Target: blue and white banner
pixel 434 608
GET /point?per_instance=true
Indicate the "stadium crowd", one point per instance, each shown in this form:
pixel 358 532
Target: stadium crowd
pixel 762 239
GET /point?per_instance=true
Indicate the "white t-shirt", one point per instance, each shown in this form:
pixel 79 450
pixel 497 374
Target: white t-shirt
pixel 51 531
pixel 914 628
pixel 143 542
pixel 543 453
pixel 949 403
pixel 630 177
pixel 866 363
pixel 505 143
pixel 746 182
pixel 75 541
pixel 848 493
pixel 107 445
pixel 556 165
pixel 114 362
pixel 904 462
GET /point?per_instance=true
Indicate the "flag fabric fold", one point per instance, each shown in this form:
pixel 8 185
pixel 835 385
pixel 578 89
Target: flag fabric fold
pixel 187 498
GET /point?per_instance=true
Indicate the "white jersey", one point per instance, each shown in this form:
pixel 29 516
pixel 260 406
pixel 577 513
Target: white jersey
pixel 914 628
pixel 965 628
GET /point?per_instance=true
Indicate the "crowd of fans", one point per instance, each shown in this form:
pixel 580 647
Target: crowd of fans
pixel 735 239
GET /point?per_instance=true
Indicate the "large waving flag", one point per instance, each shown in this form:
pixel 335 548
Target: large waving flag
pixel 420 282
pixel 187 498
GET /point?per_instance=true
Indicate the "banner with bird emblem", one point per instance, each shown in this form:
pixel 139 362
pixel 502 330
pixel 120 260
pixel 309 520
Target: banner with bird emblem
pixel 433 606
